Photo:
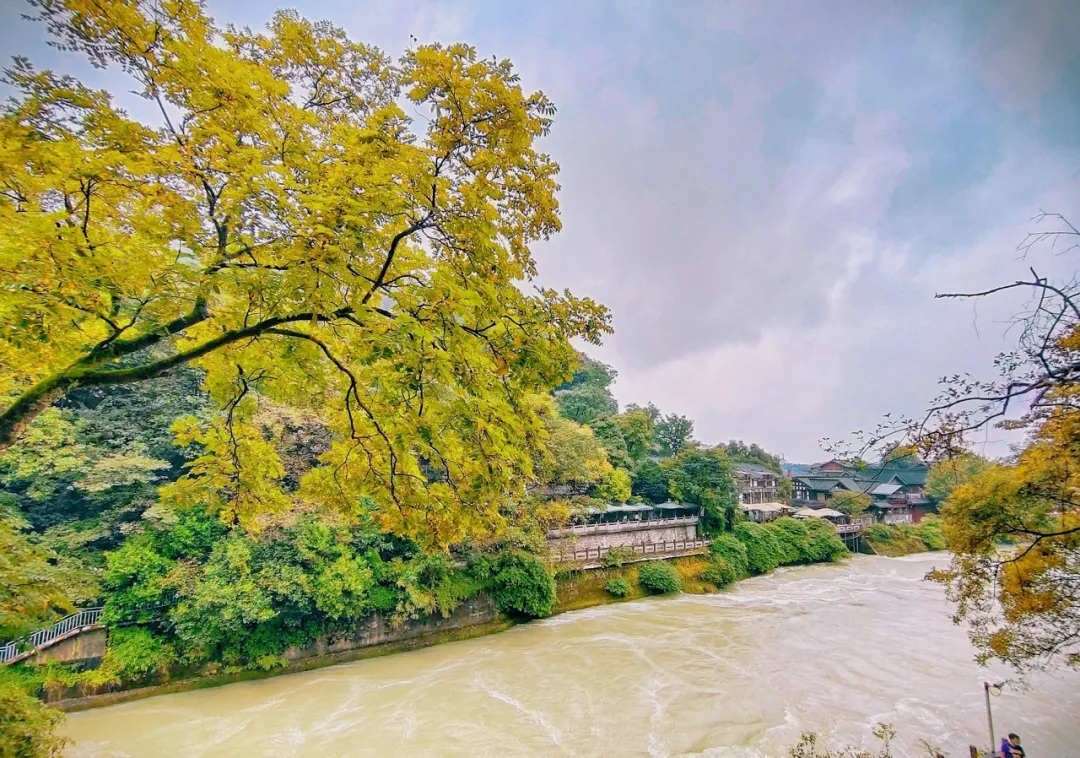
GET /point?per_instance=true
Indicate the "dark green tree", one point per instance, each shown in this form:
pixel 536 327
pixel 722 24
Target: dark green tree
pixel 651 482
pixel 610 434
pixel 704 477
pixel 673 432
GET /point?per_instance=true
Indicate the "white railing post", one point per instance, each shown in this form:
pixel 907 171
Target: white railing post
pixel 42 637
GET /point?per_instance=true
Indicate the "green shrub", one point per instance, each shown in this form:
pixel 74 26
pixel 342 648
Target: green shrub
pixel 134 653
pixel 618 587
pixel 384 599
pixel 719 572
pixel 821 542
pixel 930 532
pixel 763 549
pixel 733 552
pixel 791 536
pixel 617 556
pixel 659 578
pixel 523 586
pixel 879 533
pixel 27 726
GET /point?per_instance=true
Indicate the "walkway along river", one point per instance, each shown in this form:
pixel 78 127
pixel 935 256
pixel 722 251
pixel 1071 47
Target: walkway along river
pixel 834 648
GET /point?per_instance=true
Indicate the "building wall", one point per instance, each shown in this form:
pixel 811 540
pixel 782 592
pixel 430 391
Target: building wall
pixel 634 534
pixel 919 511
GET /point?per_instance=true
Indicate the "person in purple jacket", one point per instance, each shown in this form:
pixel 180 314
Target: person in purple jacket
pixel 1010 747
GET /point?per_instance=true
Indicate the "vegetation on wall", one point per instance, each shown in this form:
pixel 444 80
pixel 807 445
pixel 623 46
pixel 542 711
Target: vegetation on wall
pixel 618 587
pixel 903 539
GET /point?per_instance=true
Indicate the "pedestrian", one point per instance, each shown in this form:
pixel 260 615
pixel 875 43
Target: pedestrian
pixel 1011 748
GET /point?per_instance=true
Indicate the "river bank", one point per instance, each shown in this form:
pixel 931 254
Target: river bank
pixel 833 648
pixel 898 540
pixel 576 590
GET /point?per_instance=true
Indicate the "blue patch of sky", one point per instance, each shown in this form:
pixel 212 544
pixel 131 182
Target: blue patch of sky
pixel 1060 117
pixel 800 121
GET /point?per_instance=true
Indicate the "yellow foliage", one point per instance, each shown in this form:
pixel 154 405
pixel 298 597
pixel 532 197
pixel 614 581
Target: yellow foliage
pixel 1021 604
pixel 293 228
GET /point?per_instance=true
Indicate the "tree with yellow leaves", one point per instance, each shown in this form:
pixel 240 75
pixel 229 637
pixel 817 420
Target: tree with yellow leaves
pixel 1021 603
pixel 310 222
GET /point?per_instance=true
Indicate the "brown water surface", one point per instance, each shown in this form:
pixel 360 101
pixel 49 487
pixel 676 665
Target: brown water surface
pixel 832 648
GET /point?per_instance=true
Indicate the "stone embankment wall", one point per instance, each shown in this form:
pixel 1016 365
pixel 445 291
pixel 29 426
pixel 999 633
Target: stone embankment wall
pixel 375 635
pixel 87 647
pixel 379 629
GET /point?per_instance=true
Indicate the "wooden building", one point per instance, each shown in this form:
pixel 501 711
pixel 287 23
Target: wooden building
pixel 755 483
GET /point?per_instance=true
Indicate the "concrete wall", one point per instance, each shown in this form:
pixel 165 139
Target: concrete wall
pixel 626 537
pixel 378 629
pixel 88 646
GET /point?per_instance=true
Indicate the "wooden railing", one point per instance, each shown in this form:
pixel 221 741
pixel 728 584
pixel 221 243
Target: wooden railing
pixel 43 638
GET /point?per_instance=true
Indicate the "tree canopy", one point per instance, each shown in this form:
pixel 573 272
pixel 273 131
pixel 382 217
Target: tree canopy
pixel 673 433
pixel 850 502
pixel 311 222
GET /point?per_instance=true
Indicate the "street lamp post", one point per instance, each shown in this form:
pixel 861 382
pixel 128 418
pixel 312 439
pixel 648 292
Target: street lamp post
pixel 987 687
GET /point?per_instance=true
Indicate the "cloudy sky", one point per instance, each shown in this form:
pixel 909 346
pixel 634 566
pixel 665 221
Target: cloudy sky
pixel 768 194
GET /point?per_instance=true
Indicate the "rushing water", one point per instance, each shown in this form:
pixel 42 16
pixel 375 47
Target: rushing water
pixel 830 648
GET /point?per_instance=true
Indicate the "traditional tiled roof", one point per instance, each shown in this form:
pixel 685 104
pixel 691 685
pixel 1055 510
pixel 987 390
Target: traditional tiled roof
pixel 752 468
pixel 818 483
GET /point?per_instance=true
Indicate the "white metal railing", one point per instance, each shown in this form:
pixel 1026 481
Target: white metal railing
pixel 45 637
pixel 848 528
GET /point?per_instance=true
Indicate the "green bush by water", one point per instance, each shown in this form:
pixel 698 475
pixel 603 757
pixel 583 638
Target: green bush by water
pixel 719 572
pixel 784 542
pixel 763 549
pixel 618 587
pixel 902 539
pixel 523 586
pixel 733 552
pixel 659 578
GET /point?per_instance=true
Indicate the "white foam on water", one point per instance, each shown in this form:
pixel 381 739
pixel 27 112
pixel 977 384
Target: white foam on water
pixel 739 673
pixel 553 734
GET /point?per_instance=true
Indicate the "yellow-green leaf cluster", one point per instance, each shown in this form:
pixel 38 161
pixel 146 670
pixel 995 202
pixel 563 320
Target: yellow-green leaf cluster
pixel 312 223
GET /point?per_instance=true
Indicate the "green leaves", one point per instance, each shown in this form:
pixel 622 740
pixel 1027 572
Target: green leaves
pixel 36 585
pixel 659 578
pixel 523 586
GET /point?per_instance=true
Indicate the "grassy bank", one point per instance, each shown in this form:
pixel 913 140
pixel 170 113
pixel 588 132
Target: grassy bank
pixel 585 589
pixel 895 540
